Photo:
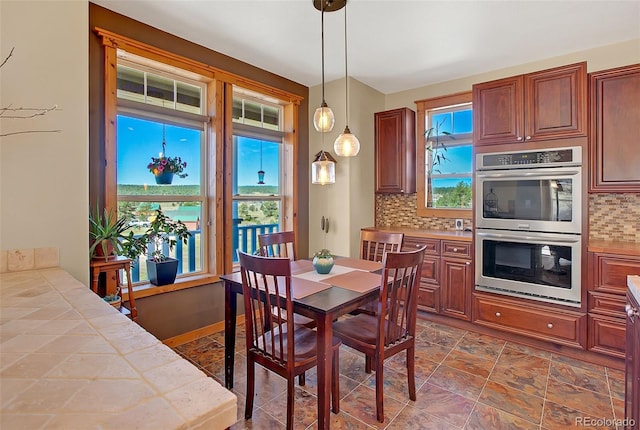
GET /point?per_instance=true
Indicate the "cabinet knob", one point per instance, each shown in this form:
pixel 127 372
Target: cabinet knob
pixel 527 138
pixel 455 249
pixel 549 325
pixel 468 263
pixel 498 314
pixel 630 311
pixel 519 138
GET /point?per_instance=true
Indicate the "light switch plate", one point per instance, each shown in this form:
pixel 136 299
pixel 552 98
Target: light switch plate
pixel 459 224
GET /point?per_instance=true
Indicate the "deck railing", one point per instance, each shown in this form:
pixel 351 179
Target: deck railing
pixel 245 238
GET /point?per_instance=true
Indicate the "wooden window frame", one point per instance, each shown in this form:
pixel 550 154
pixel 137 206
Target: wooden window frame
pixel 219 107
pixel 423 106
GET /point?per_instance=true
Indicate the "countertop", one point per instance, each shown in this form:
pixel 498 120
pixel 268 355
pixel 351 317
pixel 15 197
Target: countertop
pixel 70 360
pixel 464 236
pixel 633 282
pixel 614 247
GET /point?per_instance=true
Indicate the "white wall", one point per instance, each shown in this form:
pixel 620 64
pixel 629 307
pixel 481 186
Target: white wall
pixel 44 176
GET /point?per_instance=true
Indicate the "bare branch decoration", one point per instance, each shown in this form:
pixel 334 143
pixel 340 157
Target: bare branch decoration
pixel 9 112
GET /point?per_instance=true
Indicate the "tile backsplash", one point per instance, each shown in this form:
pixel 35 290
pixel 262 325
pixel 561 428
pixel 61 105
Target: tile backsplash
pixel 611 216
pixel 17 260
pixel 615 216
pixel 399 210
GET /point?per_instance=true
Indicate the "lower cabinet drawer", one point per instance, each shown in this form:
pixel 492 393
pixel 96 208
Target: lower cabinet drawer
pixel 607 335
pixel 429 298
pixel 607 304
pixel 564 327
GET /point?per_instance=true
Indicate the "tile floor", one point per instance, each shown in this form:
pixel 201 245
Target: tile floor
pixel 465 381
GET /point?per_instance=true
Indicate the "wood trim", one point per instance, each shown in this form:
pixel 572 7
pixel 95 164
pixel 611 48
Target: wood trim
pixel 227 158
pixel 216 183
pixel 181 339
pixel 110 114
pixel 423 106
pixel 117 41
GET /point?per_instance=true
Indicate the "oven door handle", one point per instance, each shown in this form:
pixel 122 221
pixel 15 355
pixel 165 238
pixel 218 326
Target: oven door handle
pixel 520 173
pixel 554 238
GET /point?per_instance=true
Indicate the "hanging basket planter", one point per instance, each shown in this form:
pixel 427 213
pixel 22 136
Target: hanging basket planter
pixel 164 178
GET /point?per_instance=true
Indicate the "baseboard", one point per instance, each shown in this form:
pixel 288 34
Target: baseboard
pixel 172 342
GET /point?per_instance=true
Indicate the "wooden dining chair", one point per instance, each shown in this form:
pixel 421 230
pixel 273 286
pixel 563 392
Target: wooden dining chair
pixel 282 245
pixel 286 349
pixel 279 244
pixel 393 329
pixel 373 245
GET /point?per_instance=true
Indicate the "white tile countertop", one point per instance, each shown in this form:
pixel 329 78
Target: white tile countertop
pixel 633 282
pixel 70 360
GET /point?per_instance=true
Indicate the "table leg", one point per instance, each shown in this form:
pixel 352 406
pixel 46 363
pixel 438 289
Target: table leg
pixel 325 355
pixel 230 311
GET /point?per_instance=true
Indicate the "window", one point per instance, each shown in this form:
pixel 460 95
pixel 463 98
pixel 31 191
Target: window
pixel 445 156
pixel 258 201
pixel 449 157
pixel 160 119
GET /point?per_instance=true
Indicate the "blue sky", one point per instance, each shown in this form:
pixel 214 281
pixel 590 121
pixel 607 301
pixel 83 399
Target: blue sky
pixel 139 140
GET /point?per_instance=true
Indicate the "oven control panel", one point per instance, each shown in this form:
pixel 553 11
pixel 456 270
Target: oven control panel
pixel 546 158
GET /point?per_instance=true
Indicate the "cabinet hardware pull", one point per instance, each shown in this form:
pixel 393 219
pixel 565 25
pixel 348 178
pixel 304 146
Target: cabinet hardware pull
pixel 528 138
pixel 498 314
pixel 455 249
pixel 549 325
pixel 468 263
pixel 519 138
pixel 630 311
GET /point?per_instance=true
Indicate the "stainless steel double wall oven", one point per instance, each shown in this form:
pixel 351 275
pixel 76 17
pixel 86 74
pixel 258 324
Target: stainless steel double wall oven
pixel 528 224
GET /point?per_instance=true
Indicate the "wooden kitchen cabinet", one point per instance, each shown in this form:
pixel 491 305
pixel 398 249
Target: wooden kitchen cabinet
pixel 614 148
pixel 544 105
pixel 457 280
pixel 429 292
pixel 632 365
pixel 607 287
pixel 529 319
pixel 446 280
pixel 395 151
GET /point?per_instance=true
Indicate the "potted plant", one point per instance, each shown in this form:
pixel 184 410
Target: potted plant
pixel 323 261
pixel 114 299
pixel 106 233
pixel 163 168
pixel 162 230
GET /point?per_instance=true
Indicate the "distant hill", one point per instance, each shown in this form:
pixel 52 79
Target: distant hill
pixel 268 190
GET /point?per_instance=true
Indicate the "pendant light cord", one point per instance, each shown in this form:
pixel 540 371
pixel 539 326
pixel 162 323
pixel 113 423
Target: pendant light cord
pixel 322 37
pixel 164 150
pixel 346 74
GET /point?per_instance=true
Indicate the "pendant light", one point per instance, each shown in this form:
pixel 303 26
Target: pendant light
pixel 323 169
pixel 346 144
pixel 323 118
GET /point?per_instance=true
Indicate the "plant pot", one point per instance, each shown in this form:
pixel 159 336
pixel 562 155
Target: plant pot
pixel 162 272
pixel 98 252
pixel 323 265
pixel 164 178
pixel 116 303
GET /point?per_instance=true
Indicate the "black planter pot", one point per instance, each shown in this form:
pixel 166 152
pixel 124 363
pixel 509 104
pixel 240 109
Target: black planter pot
pixel 162 272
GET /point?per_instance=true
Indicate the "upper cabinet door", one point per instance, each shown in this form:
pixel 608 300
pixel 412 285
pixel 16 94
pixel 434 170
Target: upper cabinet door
pixel 545 105
pixel 614 138
pixel 395 151
pixel 556 103
pixel 497 111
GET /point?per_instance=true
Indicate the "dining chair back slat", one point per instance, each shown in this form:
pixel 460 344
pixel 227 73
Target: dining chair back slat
pixel 280 244
pixel 374 244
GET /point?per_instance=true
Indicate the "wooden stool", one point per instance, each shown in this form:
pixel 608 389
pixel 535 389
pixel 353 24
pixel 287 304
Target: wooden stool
pixel 115 265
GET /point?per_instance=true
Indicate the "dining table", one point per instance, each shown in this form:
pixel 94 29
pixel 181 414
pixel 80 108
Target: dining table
pixel 351 283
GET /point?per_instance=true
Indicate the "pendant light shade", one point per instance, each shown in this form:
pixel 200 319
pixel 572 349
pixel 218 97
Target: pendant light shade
pixel 323 118
pixel 323 169
pixel 347 144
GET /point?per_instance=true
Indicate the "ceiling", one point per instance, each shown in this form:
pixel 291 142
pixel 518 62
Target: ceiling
pixel 393 45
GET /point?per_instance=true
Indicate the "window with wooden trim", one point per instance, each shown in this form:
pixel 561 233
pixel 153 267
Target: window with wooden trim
pixel 444 157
